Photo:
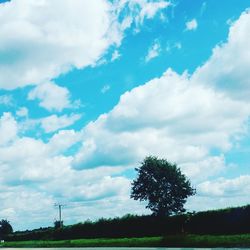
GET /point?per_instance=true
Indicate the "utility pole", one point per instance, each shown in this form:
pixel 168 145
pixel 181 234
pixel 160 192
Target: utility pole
pixel 60 213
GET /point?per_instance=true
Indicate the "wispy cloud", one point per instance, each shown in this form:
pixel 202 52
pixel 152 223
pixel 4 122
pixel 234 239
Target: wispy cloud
pixel 153 51
pixel 115 55
pixel 6 100
pixel 176 45
pixel 22 112
pixel 53 123
pixel 105 88
pixel 203 8
pixel 191 25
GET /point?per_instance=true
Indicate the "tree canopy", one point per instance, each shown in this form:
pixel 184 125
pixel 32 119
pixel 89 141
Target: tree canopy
pixel 162 184
pixel 5 228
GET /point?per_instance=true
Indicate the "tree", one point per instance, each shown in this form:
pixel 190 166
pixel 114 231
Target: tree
pixel 58 224
pixel 5 228
pixel 162 184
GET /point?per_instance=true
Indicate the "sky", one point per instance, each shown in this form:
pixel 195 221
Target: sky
pixel 88 89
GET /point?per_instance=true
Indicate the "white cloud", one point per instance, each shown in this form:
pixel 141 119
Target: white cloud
pixel 22 112
pixel 149 9
pixel 63 140
pixel 52 97
pixel 39 40
pixel 239 186
pixel 201 202
pixel 108 186
pixel 110 203
pixel 192 25
pixel 54 122
pixel 48 124
pixel 137 11
pixel 115 55
pixel 181 118
pixel 153 51
pixel 35 172
pixel 6 100
pixel 177 119
pixel 17 151
pixel 42 39
pixel 199 171
pixel 228 67
pixel 30 204
pixel 8 128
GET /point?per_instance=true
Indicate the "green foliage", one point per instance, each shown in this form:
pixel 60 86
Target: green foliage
pixel 162 184
pixel 223 221
pixel 127 226
pixel 58 224
pixel 217 222
pixel 5 228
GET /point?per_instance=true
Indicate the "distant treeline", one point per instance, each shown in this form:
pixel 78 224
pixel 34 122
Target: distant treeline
pixel 221 222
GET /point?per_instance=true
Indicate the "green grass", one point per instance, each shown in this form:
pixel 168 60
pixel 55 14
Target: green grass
pixel 148 241
pixel 168 241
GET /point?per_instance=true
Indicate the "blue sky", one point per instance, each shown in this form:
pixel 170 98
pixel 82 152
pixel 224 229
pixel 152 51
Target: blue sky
pixel 89 88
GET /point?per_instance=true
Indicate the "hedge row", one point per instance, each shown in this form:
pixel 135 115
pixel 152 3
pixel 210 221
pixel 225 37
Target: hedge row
pixel 224 221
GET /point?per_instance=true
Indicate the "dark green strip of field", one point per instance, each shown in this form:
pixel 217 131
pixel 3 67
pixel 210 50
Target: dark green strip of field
pixel 242 240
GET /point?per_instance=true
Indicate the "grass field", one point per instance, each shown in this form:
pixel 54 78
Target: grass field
pixel 150 241
pixel 168 241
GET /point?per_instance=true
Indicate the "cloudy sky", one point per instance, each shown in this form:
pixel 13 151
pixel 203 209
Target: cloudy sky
pixel 89 88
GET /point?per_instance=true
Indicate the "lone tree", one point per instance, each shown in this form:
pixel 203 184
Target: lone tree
pixel 162 184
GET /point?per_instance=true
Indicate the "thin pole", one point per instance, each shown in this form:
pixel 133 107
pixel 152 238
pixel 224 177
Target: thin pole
pixel 60 213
